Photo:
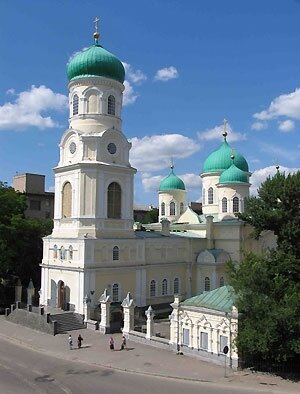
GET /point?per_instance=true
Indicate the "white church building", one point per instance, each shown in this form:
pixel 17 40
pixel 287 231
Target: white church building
pixel 94 246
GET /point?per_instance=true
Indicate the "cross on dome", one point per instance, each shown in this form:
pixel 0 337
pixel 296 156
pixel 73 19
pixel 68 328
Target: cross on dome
pixel 96 33
pixel 225 128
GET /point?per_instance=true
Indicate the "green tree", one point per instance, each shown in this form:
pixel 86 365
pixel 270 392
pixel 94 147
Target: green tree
pixel 151 216
pixel 20 238
pixel 268 285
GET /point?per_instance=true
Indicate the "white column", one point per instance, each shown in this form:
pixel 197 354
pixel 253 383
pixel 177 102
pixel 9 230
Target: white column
pixel 105 301
pixel 174 326
pixel 128 308
pixel 150 323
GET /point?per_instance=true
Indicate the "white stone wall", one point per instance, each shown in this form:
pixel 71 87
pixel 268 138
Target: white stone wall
pixel 177 196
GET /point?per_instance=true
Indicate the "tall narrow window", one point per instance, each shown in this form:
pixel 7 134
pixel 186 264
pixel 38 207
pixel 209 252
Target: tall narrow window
pixel 181 208
pixel 163 209
pixel 62 253
pixel 115 253
pixel 221 281
pixel 206 284
pixel 186 336
pixel 164 287
pixel 152 288
pixel 203 197
pixel 55 251
pixel 67 200
pixel 115 292
pixel 111 105
pixel 224 204
pixel 210 195
pixel 114 201
pixel 204 340
pixel 235 204
pixel 70 252
pixel 176 286
pixel 223 342
pixel 172 208
pixel 92 103
pixel 75 104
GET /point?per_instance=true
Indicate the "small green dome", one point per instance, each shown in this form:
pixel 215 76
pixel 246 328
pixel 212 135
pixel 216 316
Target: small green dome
pixel 171 182
pixel 233 175
pixel 95 62
pixel 220 159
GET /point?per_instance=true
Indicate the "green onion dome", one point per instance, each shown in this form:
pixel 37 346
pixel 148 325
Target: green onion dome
pixel 95 62
pixel 171 182
pixel 233 175
pixel 220 159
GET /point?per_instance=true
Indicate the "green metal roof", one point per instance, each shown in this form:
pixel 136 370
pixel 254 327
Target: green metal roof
pixel 233 175
pixel 221 299
pixel 171 182
pixel 220 159
pixel 95 61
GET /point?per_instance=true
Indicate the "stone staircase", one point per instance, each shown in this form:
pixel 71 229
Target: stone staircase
pixel 68 321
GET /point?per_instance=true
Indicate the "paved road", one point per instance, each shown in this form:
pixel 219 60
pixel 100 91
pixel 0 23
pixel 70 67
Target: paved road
pixel 25 371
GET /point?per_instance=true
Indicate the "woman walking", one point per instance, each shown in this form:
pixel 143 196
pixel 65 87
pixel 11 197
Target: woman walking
pixel 111 343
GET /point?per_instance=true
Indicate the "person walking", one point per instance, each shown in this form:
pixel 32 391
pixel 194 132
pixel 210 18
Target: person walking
pixel 123 344
pixel 111 343
pixel 79 340
pixel 70 340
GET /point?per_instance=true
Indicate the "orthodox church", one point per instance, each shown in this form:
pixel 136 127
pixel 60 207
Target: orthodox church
pixel 95 245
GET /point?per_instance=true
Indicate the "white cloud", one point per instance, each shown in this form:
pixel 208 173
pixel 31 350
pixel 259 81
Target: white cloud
pixel 151 183
pixel 216 134
pixel 155 152
pixel 283 105
pixel 261 175
pixel 191 181
pixel 164 74
pixel 135 76
pixel 28 108
pixel 286 126
pixel 259 126
pixel 129 95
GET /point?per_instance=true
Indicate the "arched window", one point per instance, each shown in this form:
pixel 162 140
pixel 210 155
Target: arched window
pixel 235 204
pixel 67 200
pixel 172 208
pixel 92 103
pixel 164 287
pixel 114 201
pixel 62 253
pixel 176 286
pixel 181 208
pixel 55 251
pixel 152 288
pixel 203 197
pixel 210 195
pixel 115 292
pixel 71 252
pixel 224 204
pixel 206 284
pixel 115 253
pixel 163 209
pixel 111 105
pixel 75 104
pixel 221 281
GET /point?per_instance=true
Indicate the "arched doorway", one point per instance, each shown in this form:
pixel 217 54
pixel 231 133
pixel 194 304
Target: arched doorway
pixel 61 295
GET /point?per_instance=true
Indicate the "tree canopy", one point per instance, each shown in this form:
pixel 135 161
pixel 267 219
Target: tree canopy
pixel 268 285
pixel 20 238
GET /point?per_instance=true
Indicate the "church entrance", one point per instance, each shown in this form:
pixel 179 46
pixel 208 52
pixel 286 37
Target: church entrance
pixel 61 295
pixel 116 318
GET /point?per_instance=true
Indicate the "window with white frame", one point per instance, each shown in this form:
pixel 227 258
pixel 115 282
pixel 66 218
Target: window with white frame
pixel 224 204
pixel 176 286
pixel 62 253
pixel 204 340
pixel 55 251
pixel 114 199
pixel 152 288
pixel 203 197
pixel 116 253
pixel 206 284
pixel 223 342
pixel 210 195
pixel 75 104
pixel 111 105
pixel 115 292
pixel 164 287
pixel 235 204
pixel 163 209
pixel 221 281
pixel 71 252
pixel 181 208
pixel 186 336
pixel 172 208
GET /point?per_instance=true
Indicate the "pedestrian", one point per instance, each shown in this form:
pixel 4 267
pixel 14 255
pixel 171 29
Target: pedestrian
pixel 70 342
pixel 123 344
pixel 79 340
pixel 111 343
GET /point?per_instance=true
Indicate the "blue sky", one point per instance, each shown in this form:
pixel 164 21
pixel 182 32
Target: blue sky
pixel 190 64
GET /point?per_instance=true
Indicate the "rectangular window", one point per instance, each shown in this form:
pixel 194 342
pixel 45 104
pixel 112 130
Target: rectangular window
pixel 35 205
pixel 204 340
pixel 186 336
pixel 223 342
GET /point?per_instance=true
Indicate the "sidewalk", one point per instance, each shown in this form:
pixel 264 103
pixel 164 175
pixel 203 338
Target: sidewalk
pixel 139 358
